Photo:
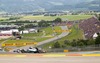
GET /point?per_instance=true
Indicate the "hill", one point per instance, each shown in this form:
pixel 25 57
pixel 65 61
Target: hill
pixel 19 6
pixel 92 5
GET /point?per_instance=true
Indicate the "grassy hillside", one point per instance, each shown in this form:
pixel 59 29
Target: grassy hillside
pixel 74 34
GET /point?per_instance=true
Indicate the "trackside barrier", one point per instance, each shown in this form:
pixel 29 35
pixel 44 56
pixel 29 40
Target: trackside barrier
pixel 66 50
pixel 72 49
pixel 5 34
pixel 8 44
pixel 91 55
pixel 19 44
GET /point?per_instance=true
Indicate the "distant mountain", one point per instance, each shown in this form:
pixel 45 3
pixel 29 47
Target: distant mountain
pixel 16 6
pixel 92 5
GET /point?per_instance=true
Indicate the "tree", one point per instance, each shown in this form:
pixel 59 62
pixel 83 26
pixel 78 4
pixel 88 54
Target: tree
pixel 97 41
pixel 81 44
pixel 29 26
pixel 58 20
pixel 63 46
pixel 43 24
pixel 21 28
pixel 74 43
pixel 90 42
pixel 99 17
pixel 56 45
pixel 67 43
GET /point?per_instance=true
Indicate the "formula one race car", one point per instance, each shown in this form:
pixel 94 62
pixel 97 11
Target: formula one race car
pixel 30 50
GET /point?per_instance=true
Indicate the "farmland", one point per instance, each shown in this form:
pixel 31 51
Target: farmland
pixel 50 18
pixel 3 18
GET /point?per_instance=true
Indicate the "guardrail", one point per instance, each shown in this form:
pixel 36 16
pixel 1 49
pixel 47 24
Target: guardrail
pixel 19 44
pixel 73 49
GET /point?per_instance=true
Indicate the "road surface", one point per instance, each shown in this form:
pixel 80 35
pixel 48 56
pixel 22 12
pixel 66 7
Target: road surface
pixel 49 40
pixel 50 59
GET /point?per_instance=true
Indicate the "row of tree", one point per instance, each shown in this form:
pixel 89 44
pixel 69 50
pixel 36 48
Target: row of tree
pixel 44 23
pixel 77 43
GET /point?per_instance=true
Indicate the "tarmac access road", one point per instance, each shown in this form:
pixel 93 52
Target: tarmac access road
pixel 75 59
pixel 63 34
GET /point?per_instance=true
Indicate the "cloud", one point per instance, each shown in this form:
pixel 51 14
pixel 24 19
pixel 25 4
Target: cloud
pixel 56 3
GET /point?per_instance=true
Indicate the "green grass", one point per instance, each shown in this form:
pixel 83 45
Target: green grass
pixel 58 28
pixel 38 36
pixel 46 46
pixel 48 31
pixel 2 18
pixel 63 17
pixel 42 39
pixel 74 34
pixel 2 40
pixel 18 41
pixel 78 17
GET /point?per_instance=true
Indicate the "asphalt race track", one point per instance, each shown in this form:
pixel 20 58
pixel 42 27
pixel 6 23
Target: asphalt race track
pixel 48 59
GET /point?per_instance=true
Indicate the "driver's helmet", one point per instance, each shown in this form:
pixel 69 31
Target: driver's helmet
pixel 30 47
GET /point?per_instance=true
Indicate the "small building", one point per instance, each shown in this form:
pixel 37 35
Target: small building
pixel 32 30
pixel 95 36
pixel 24 31
pixel 14 30
pixel 9 31
pixel 6 32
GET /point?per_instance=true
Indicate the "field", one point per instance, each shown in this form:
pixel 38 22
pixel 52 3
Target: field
pixel 3 18
pixel 63 17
